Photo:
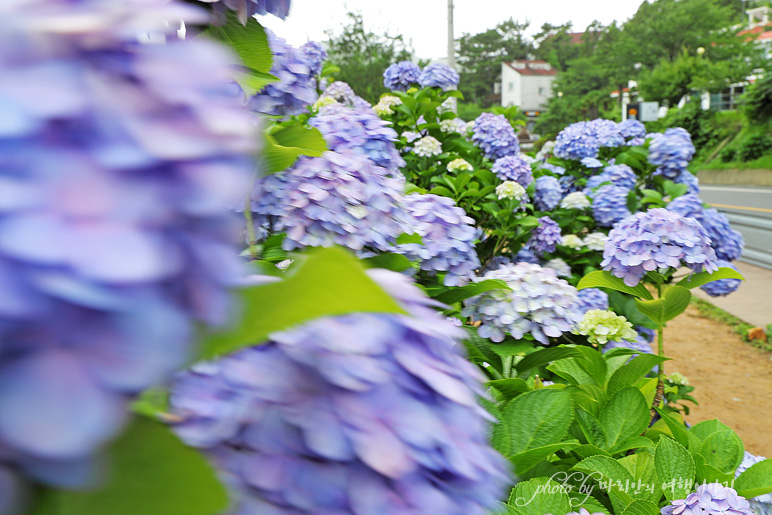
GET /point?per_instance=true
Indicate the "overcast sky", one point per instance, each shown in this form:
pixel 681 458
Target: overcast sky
pixel 425 21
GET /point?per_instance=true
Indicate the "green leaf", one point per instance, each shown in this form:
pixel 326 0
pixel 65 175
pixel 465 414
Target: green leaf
pixel 641 467
pixel 330 282
pixel 512 348
pixel 539 496
pixel 390 261
pixel 697 280
pixel 635 442
pixel 538 418
pixel 572 371
pixel 152 473
pixel 509 388
pixel 479 349
pixel 288 141
pixel 460 293
pixel 604 279
pixel 675 468
pixel 252 82
pixel 707 473
pixel 677 428
pixel 723 451
pixel 624 416
pixel 249 41
pixel 525 461
pixel 544 356
pixel 640 507
pixel 756 480
pixel 672 303
pixel 587 450
pixel 592 429
pixel 613 475
pixel 632 372
pixel 409 238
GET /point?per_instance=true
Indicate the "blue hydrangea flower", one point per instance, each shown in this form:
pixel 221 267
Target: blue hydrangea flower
pixel 688 205
pixel 438 76
pixel 513 168
pixel 296 88
pixel 315 55
pixel 359 413
pixel 569 184
pixel 584 139
pixel 722 286
pixel 712 498
pixel 639 344
pixel 359 130
pixel 671 152
pixel 400 76
pixel 495 136
pixel 762 504
pixel 607 132
pixel 547 193
pixel 342 93
pixel 591 298
pixel 591 162
pixel 621 175
pixel 727 242
pixel 448 237
pixel 526 255
pixel 336 199
pixel 631 128
pixel 561 268
pixel 248 8
pixel 118 163
pixel 691 181
pixel 609 205
pixel 539 304
pixel 657 240
pixel 544 237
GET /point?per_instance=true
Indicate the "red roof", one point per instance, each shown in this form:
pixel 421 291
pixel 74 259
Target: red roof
pixel 576 37
pixel 525 67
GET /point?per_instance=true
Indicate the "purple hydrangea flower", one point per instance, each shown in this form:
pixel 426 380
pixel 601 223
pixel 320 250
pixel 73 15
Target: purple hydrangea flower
pixel 607 132
pixel 584 139
pixel 547 193
pixel 526 255
pixel 762 504
pixel 647 334
pixel 296 88
pixel 400 76
pixel 359 130
pixel 609 205
pixel 656 240
pixel 336 199
pixel 688 205
pixel 591 162
pixel 248 8
pixel 722 286
pixel 342 93
pixel 448 237
pixel 359 413
pixel 631 128
pixel 621 175
pixel 499 261
pixel 671 151
pixel 315 55
pixel 539 304
pixel 118 164
pixel 712 498
pixel 727 242
pixel 640 344
pixel 691 181
pixel 513 168
pixel 438 76
pixel 561 268
pixel 544 237
pixel 495 136
pixel 568 184
pixel 591 298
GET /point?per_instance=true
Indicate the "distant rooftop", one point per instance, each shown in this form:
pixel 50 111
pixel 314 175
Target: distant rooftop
pixel 526 67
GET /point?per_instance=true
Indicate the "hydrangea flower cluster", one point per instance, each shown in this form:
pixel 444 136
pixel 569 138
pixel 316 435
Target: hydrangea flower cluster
pixel 560 267
pixel 315 55
pixel 722 287
pixel 639 344
pixel 460 164
pixel 359 130
pixel 616 175
pixel 584 139
pixel 296 88
pixel 359 413
pixel 511 190
pixel 116 174
pixel 513 168
pixel 539 304
pixel 727 242
pixel 385 105
pixel 400 76
pixel 595 241
pixel 572 241
pixel 671 152
pixel 762 504
pixel 569 184
pixel 495 136
pixel 592 298
pixel 575 200
pixel 427 146
pixel 689 205
pixel 342 93
pixel 631 129
pixel 438 75
pixel 609 205
pixel 547 193
pixel 601 326
pixel 712 498
pixel 657 240
pixel 591 162
pixel 456 125
pixel 248 8
pixel 526 255
pixel 336 199
pixel 544 237
pixel 448 237
pixel 691 181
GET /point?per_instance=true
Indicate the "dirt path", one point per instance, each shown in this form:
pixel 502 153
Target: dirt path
pixel 732 380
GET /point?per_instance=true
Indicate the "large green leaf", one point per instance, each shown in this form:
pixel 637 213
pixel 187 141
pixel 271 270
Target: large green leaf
pixel 286 142
pixel 249 41
pixel 592 429
pixel 672 303
pixel 615 477
pixel 632 372
pixel 641 467
pixel 625 415
pixel 539 496
pixel 509 388
pixel 676 427
pixel 697 280
pixel 756 480
pixel 544 356
pixel 604 279
pixel 675 468
pixel 719 445
pixel 151 473
pixel 390 261
pixel 330 282
pixel 538 418
pixel 252 82
pixel 525 461
pixel 641 507
pixel 470 290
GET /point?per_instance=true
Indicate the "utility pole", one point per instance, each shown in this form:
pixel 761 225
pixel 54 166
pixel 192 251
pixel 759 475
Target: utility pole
pixel 451 39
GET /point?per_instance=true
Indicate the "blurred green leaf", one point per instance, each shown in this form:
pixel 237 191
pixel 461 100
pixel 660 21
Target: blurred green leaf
pixel 248 41
pixel 697 280
pixel 288 141
pixel 604 279
pixel 673 302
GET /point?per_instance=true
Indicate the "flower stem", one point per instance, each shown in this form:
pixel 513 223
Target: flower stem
pixel 660 367
pixel 507 366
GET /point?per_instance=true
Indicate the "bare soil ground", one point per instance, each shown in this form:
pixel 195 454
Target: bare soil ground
pixel 732 380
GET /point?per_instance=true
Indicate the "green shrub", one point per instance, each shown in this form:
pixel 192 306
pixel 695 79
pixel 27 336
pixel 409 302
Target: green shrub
pixel 754 146
pixel 728 155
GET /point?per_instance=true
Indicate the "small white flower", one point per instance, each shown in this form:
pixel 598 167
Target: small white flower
pixel 453 125
pixel 575 200
pixel 601 326
pixel 459 164
pixel 572 241
pixel 284 265
pixel 428 146
pixel 510 189
pixel 560 267
pixel 385 104
pixel 595 241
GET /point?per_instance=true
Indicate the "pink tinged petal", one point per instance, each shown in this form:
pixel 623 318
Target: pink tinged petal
pixel 441 382
pixel 382 451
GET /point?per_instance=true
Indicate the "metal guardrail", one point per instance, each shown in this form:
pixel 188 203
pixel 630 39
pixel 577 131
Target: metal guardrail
pixel 756 229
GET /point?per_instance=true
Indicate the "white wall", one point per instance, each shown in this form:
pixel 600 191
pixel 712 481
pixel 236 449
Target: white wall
pixel 524 90
pixel 511 86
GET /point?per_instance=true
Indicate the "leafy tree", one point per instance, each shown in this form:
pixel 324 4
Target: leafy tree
pixel 480 56
pixel 555 44
pixel 757 102
pixel 362 56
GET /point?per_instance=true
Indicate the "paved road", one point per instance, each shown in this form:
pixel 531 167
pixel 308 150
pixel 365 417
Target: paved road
pixel 749 209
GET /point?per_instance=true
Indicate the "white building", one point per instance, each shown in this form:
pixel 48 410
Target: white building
pixel 526 84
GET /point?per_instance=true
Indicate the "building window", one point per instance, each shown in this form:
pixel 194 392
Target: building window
pixel 726 99
pixel 511 86
pixel 541 91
